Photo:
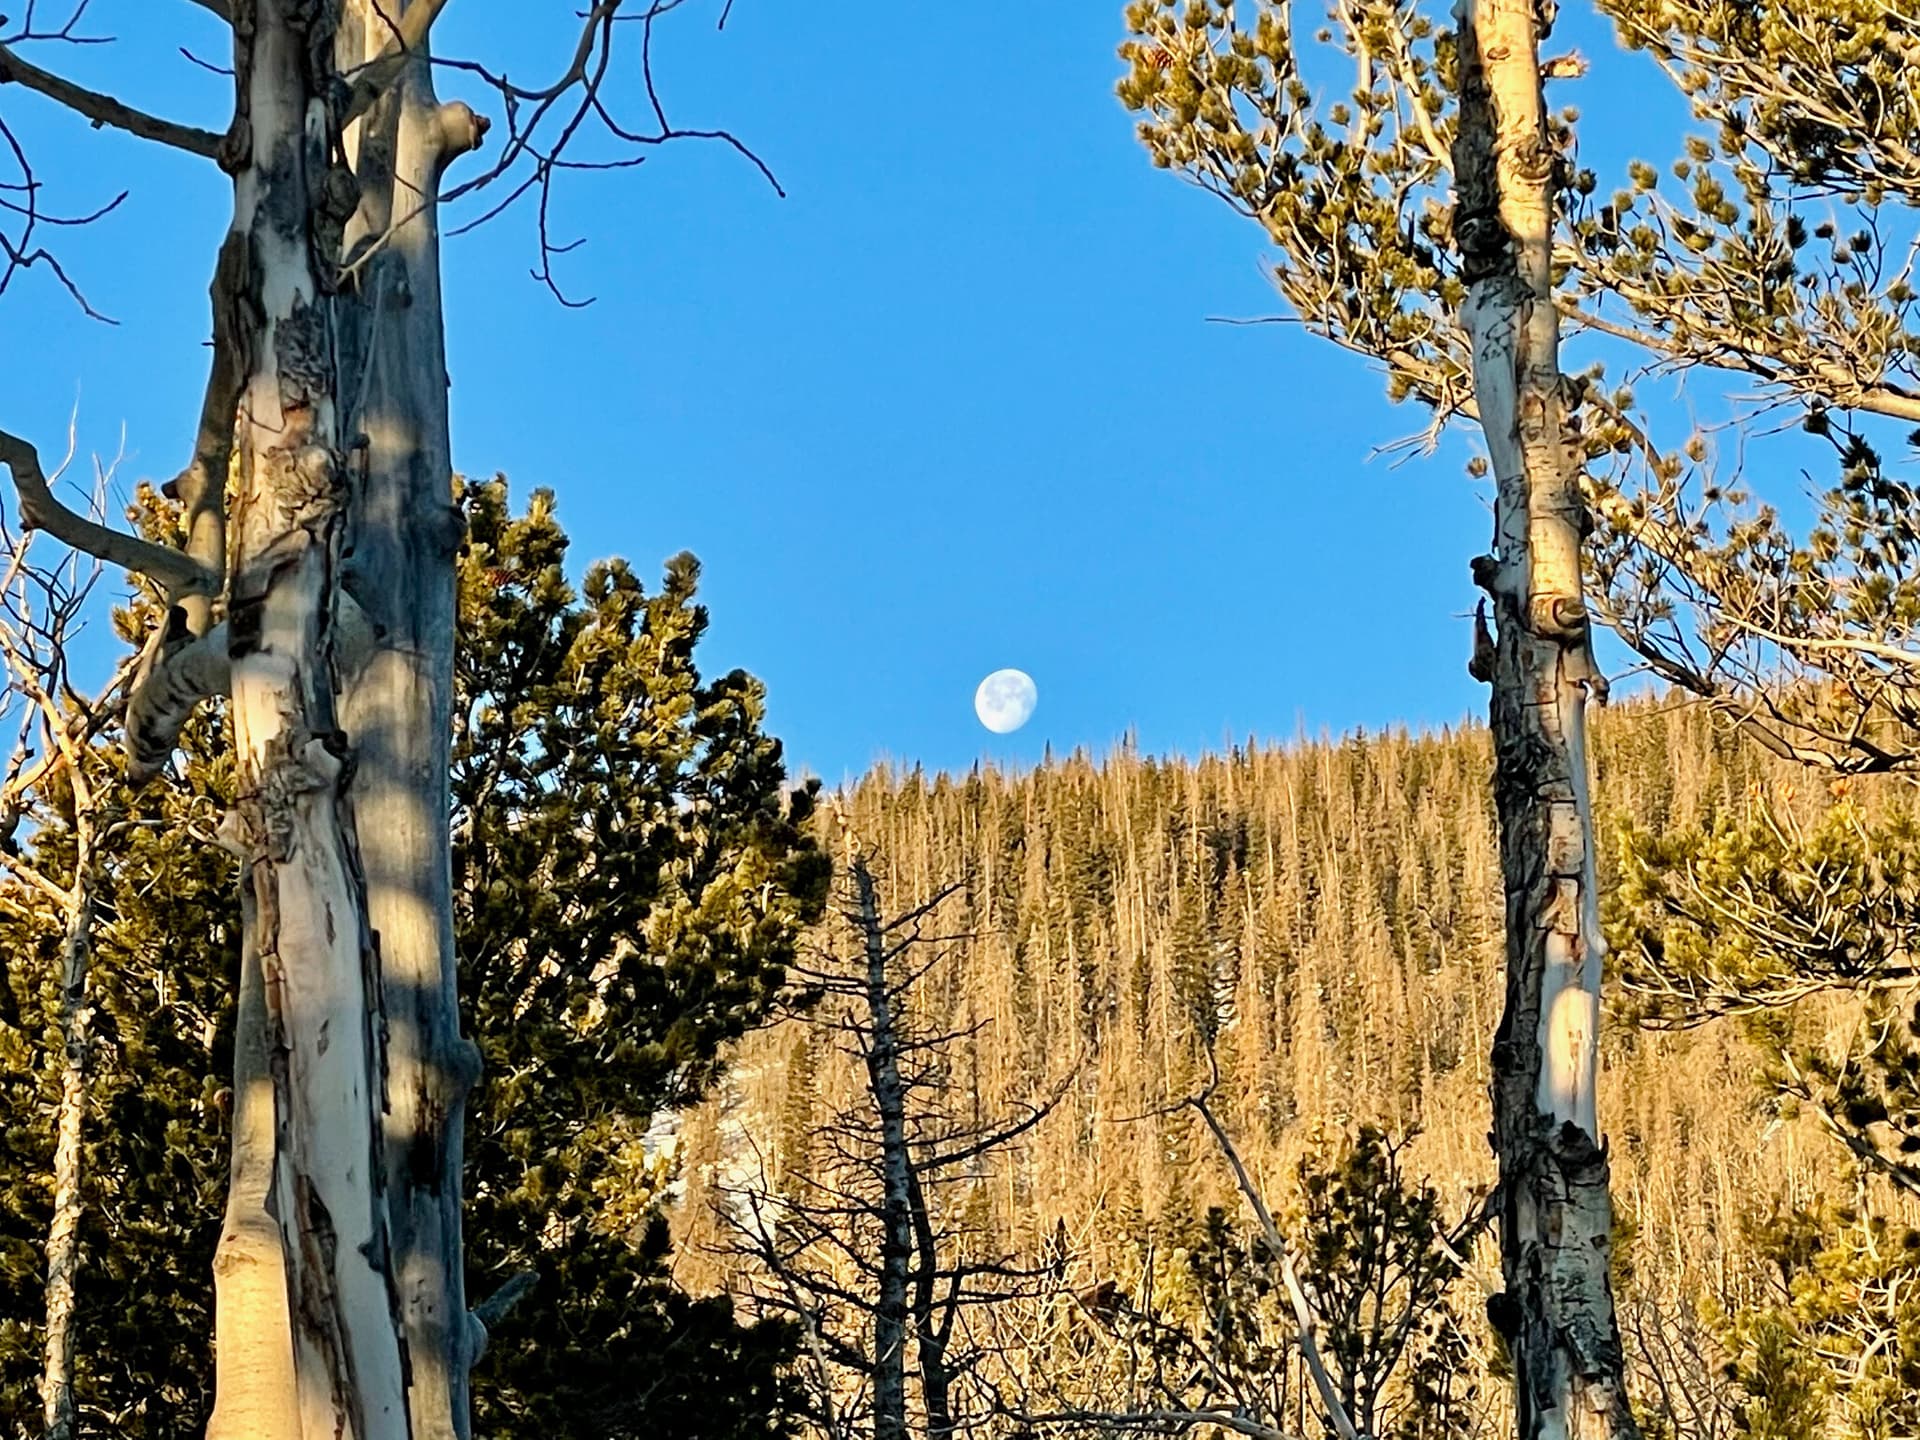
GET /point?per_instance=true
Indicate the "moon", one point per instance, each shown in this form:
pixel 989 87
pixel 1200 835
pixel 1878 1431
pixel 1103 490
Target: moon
pixel 1005 700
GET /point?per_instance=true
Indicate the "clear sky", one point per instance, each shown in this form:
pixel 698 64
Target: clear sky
pixel 953 404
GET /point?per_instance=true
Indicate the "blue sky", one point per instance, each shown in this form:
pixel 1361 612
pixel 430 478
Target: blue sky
pixel 953 404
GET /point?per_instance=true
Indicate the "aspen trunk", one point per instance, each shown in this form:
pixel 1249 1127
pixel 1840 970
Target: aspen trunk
pixel 308 1339
pixel 404 536
pixel 896 1243
pixel 63 1235
pixel 1556 1313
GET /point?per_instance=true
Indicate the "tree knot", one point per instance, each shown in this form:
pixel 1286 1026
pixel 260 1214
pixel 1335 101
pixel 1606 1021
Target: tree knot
pixel 1557 617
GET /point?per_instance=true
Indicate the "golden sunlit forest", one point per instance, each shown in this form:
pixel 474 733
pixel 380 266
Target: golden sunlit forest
pixel 1321 920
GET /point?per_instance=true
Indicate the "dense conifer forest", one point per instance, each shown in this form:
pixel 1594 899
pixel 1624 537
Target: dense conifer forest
pixel 1321 917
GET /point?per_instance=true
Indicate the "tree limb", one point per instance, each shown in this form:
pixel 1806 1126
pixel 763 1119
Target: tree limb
pixel 492 1310
pixel 377 75
pixel 40 510
pixel 201 486
pixel 995 1139
pixel 104 109
pixel 1283 1254
pixel 164 698
pixel 515 1288
pixel 217 7
pixel 187 669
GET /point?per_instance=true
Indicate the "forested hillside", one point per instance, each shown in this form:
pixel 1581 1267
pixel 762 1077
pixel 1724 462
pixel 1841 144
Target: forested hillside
pixel 1325 918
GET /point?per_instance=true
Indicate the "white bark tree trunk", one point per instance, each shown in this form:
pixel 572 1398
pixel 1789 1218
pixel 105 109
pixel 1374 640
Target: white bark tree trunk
pixel 63 1234
pixel 403 541
pixel 309 1341
pixel 1556 1312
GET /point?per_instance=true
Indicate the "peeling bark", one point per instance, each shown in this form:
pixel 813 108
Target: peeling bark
pixel 308 1337
pixel 1556 1313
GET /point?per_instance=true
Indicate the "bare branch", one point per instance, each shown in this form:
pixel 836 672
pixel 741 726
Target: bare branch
pixel 997 1137
pixel 104 110
pixel 165 696
pixel 19 252
pixel 201 486
pixel 574 103
pixel 515 1288
pixel 178 573
pixel 1309 1349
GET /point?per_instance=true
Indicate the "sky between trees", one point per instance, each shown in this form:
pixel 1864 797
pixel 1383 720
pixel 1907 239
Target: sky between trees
pixel 931 414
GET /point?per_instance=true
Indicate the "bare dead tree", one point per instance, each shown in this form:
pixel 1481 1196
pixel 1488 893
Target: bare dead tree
pixel 871 1250
pixel 41 611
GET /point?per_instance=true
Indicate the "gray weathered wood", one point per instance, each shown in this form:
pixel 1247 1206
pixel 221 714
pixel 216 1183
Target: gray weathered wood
pixel 397 707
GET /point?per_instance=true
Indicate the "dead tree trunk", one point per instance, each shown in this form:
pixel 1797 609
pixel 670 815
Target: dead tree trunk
pixel 308 1340
pixel 896 1173
pixel 891 1160
pixel 63 1235
pixel 932 1321
pixel 1556 1312
pixel 396 707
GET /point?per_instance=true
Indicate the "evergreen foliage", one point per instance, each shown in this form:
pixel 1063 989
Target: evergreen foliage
pixel 632 875
pixel 1834 1349
pixel 1375 1256
pixel 1206 1328
pixel 1776 916
pixel 165 967
pixel 1765 245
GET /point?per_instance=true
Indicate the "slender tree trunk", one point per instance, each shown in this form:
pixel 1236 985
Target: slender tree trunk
pixel 308 1337
pixel 397 709
pixel 896 1245
pixel 63 1235
pixel 930 1333
pixel 252 1335
pixel 1556 1312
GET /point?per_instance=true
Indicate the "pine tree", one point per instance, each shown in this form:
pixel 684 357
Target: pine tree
pixel 1759 245
pixel 632 876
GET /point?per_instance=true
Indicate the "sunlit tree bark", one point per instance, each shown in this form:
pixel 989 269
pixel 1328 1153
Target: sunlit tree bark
pixel 308 1336
pixel 1556 1312
pixel 313 584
